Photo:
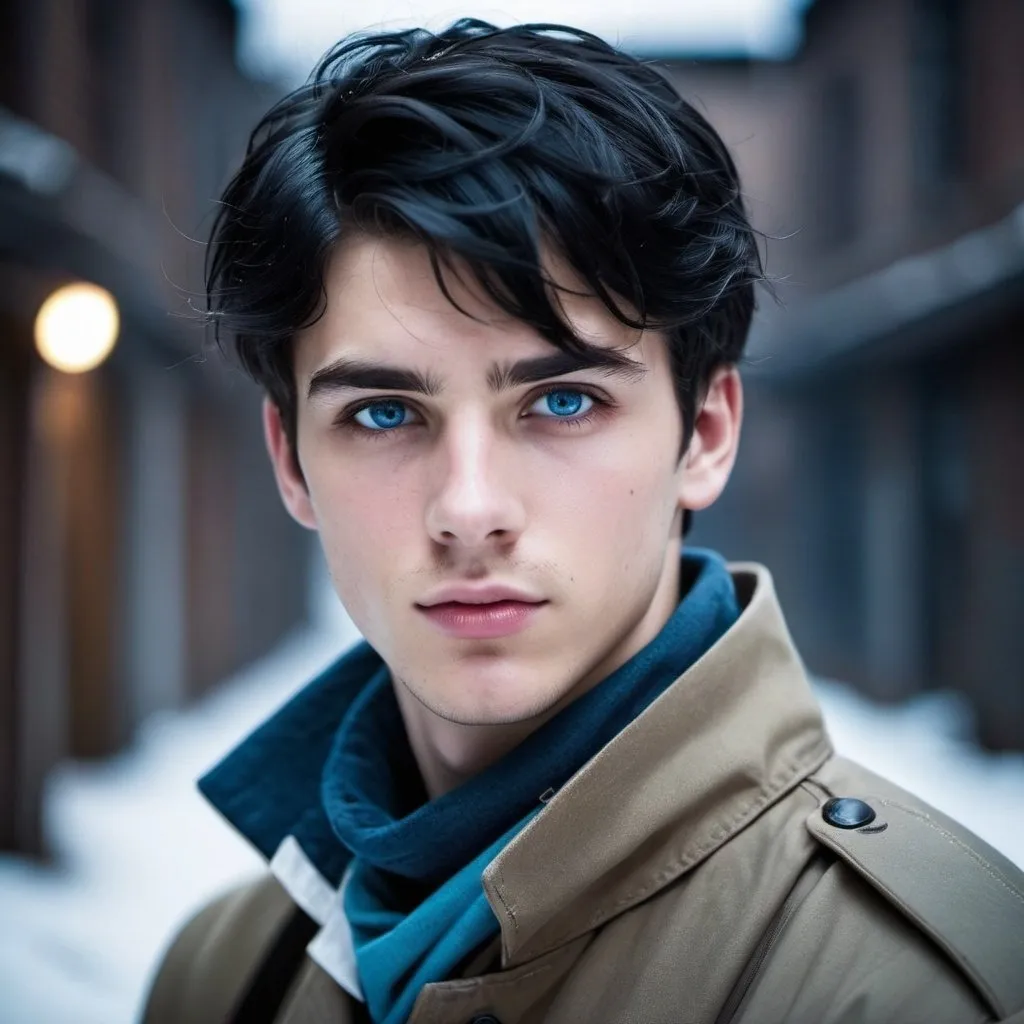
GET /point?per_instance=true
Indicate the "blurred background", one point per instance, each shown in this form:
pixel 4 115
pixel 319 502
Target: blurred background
pixel 155 601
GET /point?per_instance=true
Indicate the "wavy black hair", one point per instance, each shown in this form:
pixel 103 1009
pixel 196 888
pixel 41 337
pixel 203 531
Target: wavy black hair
pixel 490 146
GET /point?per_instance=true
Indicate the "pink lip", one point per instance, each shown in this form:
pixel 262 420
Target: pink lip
pixel 478 621
pixel 477 593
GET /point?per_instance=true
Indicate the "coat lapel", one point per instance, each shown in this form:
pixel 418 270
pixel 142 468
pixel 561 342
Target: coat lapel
pixel 730 737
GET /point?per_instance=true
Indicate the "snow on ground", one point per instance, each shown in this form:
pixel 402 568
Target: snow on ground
pixel 924 745
pixel 138 849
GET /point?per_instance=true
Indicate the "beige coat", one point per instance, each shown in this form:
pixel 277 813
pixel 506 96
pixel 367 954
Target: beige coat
pixel 687 874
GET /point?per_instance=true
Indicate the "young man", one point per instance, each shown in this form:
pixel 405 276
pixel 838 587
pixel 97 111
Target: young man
pixel 496 285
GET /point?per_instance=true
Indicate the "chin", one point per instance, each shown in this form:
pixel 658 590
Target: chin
pixel 494 716
pixel 487 706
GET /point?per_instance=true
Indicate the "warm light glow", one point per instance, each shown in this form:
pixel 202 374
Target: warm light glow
pixel 76 327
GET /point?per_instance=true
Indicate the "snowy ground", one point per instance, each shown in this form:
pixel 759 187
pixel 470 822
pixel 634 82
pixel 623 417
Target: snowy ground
pixel 139 849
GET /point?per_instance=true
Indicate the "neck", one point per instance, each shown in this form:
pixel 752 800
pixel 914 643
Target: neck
pixel 449 753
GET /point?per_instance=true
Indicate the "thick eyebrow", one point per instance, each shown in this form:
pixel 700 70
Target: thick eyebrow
pixel 353 373
pixel 610 362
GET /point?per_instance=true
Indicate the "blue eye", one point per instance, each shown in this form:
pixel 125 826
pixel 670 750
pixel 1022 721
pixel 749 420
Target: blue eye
pixel 383 415
pixel 563 404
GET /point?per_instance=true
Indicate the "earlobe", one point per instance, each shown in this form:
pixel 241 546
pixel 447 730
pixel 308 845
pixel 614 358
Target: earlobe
pixel 290 482
pixel 708 461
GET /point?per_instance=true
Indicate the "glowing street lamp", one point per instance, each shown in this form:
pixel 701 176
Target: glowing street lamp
pixel 76 327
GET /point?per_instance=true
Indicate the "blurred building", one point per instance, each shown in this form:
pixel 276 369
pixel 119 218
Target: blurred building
pixel 882 471
pixel 143 552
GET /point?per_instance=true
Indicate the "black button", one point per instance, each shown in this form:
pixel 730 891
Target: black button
pixel 847 812
pixel 485 1018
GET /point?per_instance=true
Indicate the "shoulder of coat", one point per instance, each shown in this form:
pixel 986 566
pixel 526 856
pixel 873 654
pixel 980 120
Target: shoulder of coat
pixel 210 960
pixel 956 888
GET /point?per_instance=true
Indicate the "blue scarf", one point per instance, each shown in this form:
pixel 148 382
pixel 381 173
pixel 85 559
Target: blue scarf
pixel 414 899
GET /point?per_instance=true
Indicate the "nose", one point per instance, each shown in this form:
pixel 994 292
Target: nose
pixel 474 503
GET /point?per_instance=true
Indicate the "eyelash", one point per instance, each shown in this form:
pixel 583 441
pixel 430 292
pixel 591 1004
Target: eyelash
pixel 347 420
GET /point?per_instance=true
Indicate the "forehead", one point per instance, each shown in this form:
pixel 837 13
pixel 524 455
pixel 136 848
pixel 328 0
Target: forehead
pixel 383 301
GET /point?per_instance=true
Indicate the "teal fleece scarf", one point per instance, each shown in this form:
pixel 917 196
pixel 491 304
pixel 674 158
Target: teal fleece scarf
pixel 333 769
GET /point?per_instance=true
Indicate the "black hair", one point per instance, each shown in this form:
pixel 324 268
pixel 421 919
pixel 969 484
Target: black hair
pixel 489 145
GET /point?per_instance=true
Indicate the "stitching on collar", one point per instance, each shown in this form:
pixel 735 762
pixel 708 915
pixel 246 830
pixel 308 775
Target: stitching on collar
pixel 797 771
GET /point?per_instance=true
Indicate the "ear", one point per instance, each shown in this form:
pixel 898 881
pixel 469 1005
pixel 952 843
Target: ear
pixel 290 481
pixel 708 461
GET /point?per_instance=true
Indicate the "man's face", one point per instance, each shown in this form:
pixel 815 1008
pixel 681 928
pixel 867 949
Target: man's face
pixel 503 543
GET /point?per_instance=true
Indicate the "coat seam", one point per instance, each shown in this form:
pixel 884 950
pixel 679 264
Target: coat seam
pixel 498 888
pixel 963 962
pixel 720 835
pixel 456 990
pixel 815 789
pixel 961 845
pixel 801 890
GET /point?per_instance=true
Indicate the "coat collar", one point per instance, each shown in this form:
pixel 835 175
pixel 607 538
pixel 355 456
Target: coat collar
pixel 727 739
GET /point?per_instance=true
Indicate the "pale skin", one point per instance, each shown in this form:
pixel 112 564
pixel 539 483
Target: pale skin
pixel 576 500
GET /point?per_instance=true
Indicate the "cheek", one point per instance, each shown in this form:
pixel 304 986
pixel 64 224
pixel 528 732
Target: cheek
pixel 357 498
pixel 366 520
pixel 614 497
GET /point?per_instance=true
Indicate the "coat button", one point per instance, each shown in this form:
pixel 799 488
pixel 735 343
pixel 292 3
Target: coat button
pixel 847 812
